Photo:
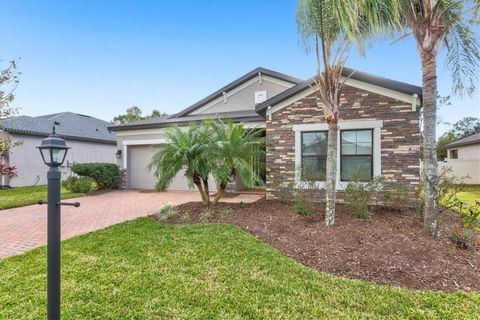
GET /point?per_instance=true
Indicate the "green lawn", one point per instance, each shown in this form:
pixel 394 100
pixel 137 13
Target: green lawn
pixel 18 197
pixel 145 270
pixel 470 193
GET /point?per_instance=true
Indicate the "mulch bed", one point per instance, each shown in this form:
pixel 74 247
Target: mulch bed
pixel 390 248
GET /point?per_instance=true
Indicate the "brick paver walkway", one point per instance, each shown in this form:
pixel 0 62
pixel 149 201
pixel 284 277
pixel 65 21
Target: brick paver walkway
pixel 22 229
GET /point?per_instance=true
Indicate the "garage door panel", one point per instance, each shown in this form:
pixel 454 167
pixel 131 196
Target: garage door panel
pixel 139 158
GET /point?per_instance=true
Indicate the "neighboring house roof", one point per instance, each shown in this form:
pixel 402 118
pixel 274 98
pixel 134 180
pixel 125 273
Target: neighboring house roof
pixel 252 74
pixel 67 124
pixel 237 116
pixel 347 72
pixel 472 139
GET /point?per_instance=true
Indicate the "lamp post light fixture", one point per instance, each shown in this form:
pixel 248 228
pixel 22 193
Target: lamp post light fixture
pixel 53 150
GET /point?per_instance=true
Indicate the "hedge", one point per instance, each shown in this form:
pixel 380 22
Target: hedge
pixel 104 174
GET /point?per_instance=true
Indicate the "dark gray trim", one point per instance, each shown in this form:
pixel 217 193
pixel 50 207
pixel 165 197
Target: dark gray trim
pixel 181 121
pixel 66 137
pixel 347 72
pixel 252 74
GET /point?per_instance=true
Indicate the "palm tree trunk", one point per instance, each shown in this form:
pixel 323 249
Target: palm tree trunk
pixel 206 191
pixel 331 178
pixel 430 168
pixel 220 191
pixel 198 182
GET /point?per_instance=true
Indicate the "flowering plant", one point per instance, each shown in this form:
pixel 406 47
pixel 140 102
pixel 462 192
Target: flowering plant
pixel 10 171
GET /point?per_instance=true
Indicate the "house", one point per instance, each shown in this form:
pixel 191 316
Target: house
pixel 88 138
pixel 463 158
pixel 379 128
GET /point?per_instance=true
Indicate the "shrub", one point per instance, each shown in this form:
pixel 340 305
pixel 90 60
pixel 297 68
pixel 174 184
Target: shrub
pixel 303 206
pixel 359 193
pixel 206 215
pixel 78 184
pixel 225 212
pixel 166 212
pixel 397 196
pixel 470 224
pixel 104 174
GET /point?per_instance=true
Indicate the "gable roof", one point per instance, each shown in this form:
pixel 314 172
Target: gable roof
pixel 346 72
pixel 472 139
pixel 250 75
pixel 67 124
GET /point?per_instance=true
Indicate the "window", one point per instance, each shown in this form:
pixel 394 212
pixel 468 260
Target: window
pixel 314 155
pixel 356 154
pixel 454 154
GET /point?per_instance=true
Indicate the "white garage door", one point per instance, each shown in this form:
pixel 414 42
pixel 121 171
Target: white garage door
pixel 139 176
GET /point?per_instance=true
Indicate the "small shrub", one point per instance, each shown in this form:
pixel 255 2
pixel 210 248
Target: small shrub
pixel 78 184
pixel 206 215
pixel 186 217
pixel 166 212
pixel 225 212
pixel 283 192
pixel 104 174
pixel 470 224
pixel 303 206
pixel 359 193
pixel 397 196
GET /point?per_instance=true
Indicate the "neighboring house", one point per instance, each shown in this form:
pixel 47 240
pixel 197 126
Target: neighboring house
pixel 88 137
pixel 463 157
pixel 379 128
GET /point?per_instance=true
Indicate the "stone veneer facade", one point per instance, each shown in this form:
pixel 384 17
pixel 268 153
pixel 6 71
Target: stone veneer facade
pixel 400 145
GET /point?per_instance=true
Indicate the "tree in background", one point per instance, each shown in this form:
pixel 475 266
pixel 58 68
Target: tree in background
pixel 134 113
pixel 466 127
pixel 446 138
pixel 8 84
pixel 434 24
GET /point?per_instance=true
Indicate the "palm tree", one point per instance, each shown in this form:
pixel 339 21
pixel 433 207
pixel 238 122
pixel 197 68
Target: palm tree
pixel 434 24
pixel 186 149
pixel 234 151
pixel 317 21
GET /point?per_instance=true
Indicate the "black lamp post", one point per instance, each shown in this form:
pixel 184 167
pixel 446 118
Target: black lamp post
pixel 53 150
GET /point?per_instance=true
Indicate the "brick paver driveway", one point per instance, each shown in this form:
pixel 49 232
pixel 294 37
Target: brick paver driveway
pixel 22 229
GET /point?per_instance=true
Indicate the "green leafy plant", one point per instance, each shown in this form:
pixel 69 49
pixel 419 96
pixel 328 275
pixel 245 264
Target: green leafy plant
pixel 104 174
pixel 225 212
pixel 166 212
pixel 396 195
pixel 359 194
pixel 78 184
pixel 470 223
pixel 303 206
pixel 206 215
pixel 186 217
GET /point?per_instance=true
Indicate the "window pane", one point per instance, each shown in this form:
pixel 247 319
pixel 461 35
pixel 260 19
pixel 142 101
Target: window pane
pixel 314 143
pixel 364 148
pixel 364 136
pixel 314 168
pixel 360 167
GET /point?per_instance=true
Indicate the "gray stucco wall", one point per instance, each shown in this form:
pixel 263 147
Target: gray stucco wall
pixel 32 170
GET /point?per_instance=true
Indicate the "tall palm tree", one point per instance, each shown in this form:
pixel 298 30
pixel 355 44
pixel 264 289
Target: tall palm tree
pixel 317 24
pixel 233 150
pixel 189 150
pixel 434 24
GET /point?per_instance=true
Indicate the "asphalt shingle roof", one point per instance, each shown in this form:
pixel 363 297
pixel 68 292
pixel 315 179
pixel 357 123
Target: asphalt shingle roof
pixel 473 139
pixel 67 124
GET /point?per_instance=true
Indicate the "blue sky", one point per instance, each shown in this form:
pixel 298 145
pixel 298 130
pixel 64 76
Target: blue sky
pixel 100 57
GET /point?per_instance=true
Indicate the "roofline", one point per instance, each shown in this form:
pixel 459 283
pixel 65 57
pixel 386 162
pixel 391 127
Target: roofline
pixel 346 72
pixel 185 122
pixel 233 84
pixel 43 134
pixel 460 144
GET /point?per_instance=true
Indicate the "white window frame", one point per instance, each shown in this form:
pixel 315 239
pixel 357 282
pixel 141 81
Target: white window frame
pixel 375 125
